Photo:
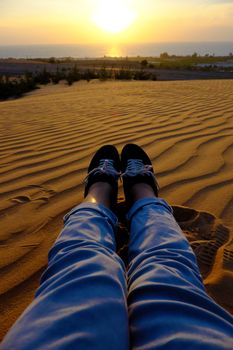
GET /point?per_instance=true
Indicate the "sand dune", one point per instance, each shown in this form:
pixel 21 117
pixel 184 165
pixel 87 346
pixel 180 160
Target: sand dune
pixel 48 137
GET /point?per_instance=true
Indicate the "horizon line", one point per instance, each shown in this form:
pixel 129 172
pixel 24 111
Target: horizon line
pixel 134 43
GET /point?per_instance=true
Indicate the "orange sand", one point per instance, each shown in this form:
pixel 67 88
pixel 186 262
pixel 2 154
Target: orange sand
pixel 48 137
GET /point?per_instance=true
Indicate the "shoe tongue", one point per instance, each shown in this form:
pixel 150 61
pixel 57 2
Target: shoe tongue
pixel 106 162
pixel 135 167
pixel 136 163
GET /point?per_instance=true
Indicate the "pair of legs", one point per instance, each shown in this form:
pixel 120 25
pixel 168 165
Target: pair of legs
pixel 88 300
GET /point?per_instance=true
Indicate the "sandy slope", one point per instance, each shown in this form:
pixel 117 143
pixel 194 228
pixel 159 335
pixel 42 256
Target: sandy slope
pixel 47 138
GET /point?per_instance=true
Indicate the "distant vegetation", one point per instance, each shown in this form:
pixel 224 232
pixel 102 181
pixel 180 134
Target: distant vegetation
pixel 194 62
pixel 164 61
pixel 70 70
pixel 14 87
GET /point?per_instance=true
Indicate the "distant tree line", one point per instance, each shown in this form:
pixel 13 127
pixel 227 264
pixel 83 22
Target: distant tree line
pixel 163 55
pixel 14 87
pixel 166 55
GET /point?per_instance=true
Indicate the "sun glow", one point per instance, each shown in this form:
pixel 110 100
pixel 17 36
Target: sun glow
pixel 113 16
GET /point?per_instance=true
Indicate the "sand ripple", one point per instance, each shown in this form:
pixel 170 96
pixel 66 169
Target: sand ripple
pixel 47 139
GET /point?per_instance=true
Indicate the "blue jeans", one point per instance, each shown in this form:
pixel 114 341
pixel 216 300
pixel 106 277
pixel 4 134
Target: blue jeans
pixel 87 300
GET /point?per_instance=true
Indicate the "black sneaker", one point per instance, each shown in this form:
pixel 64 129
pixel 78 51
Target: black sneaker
pixel 136 168
pixel 104 167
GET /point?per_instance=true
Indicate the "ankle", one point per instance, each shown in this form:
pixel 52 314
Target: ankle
pixel 141 191
pixel 100 193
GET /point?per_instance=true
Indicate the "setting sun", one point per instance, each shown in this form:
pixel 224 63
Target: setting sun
pixel 113 16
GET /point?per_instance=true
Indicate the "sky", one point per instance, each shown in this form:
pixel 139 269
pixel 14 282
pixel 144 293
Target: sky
pixel 107 21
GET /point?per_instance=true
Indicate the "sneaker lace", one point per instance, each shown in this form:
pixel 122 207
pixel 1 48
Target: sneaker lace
pixel 106 166
pixel 137 167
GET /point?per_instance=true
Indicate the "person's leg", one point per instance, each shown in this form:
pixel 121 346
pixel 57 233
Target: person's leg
pixel 168 305
pixel 81 302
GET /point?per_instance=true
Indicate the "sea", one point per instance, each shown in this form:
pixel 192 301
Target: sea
pixel 115 50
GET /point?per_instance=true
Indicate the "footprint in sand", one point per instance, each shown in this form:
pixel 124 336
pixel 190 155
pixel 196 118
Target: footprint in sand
pixel 40 193
pixel 204 231
pixel 21 199
pixel 228 257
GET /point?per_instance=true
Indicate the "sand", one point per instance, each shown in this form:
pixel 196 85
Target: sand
pixel 48 137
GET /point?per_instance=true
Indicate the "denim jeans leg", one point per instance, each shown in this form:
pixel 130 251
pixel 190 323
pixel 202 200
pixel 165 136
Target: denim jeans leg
pixel 81 302
pixel 168 305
